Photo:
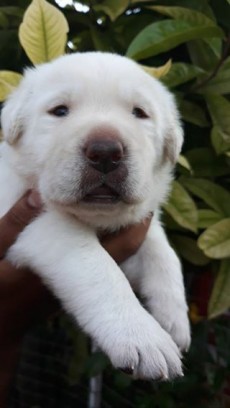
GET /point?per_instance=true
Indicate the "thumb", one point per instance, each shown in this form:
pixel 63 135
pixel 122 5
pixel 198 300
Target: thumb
pixel 17 218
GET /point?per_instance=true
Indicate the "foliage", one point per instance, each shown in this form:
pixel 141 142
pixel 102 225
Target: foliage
pixel 186 43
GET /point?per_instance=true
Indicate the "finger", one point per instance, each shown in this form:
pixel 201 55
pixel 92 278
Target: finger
pixel 17 218
pixel 127 241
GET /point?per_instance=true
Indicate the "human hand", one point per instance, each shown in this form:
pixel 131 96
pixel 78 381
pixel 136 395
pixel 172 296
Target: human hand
pixel 127 241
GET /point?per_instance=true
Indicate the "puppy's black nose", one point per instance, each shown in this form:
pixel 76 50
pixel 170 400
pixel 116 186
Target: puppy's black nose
pixel 104 154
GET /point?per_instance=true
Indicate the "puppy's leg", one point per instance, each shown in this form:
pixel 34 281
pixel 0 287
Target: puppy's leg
pixel 68 256
pixel 156 271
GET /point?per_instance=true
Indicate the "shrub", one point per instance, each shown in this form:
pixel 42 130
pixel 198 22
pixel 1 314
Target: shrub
pixel 186 43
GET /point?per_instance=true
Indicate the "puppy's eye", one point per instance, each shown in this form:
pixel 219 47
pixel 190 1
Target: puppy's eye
pixel 60 110
pixel 139 113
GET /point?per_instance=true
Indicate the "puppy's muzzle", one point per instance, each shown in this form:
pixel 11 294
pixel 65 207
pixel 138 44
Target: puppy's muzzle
pixel 104 154
pixel 104 178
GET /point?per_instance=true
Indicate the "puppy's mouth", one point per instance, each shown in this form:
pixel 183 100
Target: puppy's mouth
pixel 102 195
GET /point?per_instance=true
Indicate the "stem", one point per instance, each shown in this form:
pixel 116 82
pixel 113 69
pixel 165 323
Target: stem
pixel 224 55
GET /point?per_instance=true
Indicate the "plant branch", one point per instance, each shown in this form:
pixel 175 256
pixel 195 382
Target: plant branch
pixel 224 55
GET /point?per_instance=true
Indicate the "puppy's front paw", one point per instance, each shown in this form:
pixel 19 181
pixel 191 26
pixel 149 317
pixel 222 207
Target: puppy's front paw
pixel 144 349
pixel 172 315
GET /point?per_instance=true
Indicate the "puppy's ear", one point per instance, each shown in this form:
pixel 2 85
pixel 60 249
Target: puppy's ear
pixel 172 144
pixel 173 139
pixel 13 113
pixel 12 117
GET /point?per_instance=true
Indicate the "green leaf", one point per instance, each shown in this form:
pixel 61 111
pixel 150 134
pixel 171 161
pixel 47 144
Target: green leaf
pixel 205 163
pixel 219 108
pixel 184 163
pixel 8 81
pixel 188 249
pixel 206 218
pixel 201 6
pixel 216 46
pixel 158 72
pixel 215 241
pixel 167 34
pixel 212 194
pixel 192 16
pixel 169 222
pixel 193 113
pixel 220 84
pixel 220 299
pixel 202 54
pixel 43 32
pixel 112 8
pixel 226 64
pixel 182 208
pixel 185 14
pixel 181 73
pixel 3 20
pixel 220 140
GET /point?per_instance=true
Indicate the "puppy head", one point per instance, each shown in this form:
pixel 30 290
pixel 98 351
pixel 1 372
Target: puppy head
pixel 96 134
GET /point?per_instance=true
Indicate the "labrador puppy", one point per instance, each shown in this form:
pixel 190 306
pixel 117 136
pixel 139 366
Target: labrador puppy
pixel 98 138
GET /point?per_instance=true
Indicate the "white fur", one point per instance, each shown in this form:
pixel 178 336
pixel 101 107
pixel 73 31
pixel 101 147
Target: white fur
pixel 61 245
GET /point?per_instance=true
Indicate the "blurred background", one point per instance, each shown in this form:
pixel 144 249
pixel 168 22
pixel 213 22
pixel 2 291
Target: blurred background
pixel 186 44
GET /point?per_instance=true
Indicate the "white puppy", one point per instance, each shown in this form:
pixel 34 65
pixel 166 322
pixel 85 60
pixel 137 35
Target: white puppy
pixel 98 137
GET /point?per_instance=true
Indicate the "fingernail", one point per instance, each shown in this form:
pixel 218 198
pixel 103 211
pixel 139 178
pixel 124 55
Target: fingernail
pixel 34 200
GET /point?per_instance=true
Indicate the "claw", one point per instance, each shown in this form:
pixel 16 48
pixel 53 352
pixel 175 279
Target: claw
pixel 163 377
pixel 127 370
